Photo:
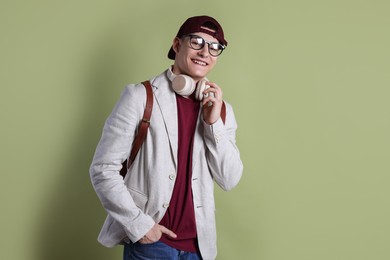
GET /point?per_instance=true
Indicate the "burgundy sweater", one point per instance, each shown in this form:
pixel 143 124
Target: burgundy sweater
pixel 180 215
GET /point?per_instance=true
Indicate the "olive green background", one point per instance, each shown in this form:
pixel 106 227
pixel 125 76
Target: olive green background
pixel 309 81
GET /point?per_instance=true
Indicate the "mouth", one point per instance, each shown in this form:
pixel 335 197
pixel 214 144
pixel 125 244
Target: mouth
pixel 199 62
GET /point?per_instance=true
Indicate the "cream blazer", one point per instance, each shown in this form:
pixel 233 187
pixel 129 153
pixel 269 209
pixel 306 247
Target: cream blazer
pixel 139 201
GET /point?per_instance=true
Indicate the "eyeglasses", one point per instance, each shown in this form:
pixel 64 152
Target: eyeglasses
pixel 197 43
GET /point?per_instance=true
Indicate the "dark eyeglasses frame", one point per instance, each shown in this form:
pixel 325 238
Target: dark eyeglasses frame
pixel 222 47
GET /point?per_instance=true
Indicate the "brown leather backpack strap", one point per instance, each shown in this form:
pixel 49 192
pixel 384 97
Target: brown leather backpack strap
pixel 142 129
pixel 223 112
pixel 144 125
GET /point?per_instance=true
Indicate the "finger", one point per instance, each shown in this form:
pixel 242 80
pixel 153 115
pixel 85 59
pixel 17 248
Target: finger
pixel 215 100
pixel 216 92
pixel 168 232
pixel 207 101
pixel 209 93
pixel 145 240
pixel 214 86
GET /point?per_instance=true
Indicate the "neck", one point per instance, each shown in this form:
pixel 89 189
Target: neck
pixel 176 71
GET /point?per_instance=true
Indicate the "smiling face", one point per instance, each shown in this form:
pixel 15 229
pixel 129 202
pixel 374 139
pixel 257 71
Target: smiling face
pixel 194 63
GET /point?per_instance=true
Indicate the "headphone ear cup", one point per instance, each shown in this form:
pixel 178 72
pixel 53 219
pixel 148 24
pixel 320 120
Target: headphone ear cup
pixel 201 86
pixel 183 85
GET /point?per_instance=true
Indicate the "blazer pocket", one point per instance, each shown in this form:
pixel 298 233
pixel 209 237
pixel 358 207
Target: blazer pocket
pixel 140 199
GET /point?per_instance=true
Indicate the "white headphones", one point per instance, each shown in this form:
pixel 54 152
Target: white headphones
pixel 184 85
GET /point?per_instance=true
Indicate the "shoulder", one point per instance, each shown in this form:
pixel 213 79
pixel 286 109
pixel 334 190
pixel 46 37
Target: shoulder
pixel 139 90
pixel 133 96
pixel 133 91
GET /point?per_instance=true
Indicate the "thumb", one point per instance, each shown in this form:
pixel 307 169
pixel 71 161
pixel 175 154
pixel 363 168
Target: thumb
pixel 164 230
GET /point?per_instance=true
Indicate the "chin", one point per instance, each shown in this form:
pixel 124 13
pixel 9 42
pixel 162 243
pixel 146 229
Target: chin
pixel 198 72
pixel 198 75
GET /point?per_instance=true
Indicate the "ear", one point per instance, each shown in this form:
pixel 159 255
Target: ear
pixel 176 44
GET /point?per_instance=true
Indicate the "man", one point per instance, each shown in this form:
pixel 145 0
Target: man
pixel 164 207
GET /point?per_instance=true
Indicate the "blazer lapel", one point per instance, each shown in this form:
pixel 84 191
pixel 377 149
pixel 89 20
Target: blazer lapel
pixel 166 101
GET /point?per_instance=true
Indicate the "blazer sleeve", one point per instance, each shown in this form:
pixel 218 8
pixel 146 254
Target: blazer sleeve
pixel 223 156
pixel 112 149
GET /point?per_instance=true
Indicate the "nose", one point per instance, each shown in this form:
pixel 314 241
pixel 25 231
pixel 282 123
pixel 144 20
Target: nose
pixel 204 52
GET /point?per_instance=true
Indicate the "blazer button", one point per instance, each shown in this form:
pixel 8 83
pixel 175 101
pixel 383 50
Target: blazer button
pixel 166 205
pixel 172 177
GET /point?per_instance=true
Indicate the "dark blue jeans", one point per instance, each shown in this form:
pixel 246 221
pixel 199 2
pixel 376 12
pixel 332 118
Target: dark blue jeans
pixel 156 251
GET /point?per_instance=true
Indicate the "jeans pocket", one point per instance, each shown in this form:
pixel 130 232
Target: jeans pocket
pixel 155 250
